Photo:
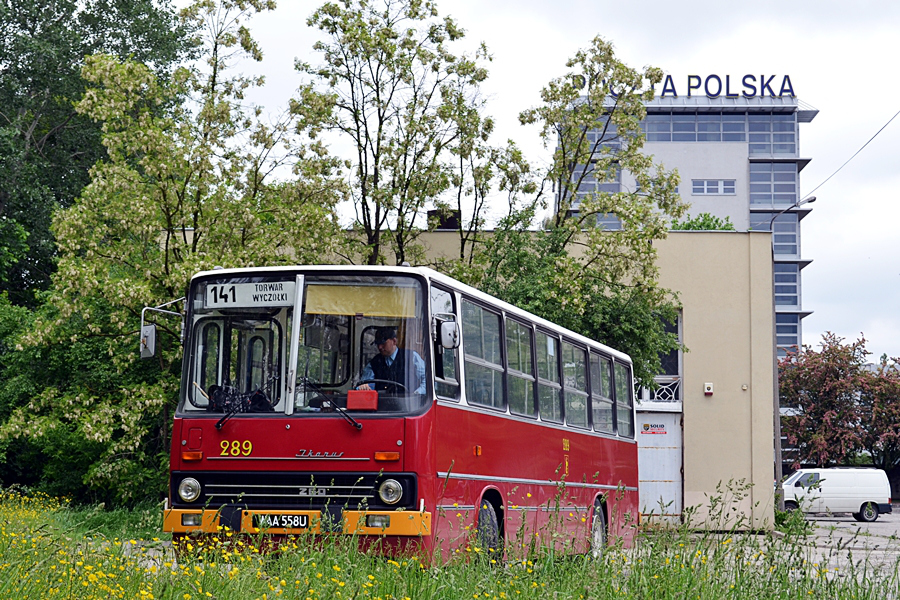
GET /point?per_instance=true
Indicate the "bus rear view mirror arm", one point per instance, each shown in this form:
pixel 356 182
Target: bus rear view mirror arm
pixel 148 331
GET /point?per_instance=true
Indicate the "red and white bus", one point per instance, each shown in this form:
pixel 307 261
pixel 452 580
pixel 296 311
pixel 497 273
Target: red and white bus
pixel 521 431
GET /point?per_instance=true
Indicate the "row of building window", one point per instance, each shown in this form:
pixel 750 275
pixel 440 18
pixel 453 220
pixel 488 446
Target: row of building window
pixel 766 133
pixel 771 184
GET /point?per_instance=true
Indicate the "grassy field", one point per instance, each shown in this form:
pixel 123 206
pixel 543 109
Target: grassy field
pixel 49 550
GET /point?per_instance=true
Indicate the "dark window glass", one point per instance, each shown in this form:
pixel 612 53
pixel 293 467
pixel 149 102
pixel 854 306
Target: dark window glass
pixel 601 394
pixel 446 382
pixel 549 398
pixel 624 402
pixel 521 378
pixel 484 369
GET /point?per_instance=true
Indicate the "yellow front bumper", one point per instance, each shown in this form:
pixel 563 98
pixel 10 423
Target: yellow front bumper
pixel 400 523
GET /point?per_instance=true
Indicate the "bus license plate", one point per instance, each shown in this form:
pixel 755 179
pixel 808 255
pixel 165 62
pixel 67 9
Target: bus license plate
pixel 280 521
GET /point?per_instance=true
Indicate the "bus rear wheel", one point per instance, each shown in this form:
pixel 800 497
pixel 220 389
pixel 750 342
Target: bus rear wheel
pixel 488 535
pixel 598 531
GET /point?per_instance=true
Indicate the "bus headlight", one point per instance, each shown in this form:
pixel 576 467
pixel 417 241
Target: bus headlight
pixel 189 489
pixel 390 491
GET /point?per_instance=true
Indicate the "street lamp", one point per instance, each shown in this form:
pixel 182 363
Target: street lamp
pixel 809 200
pixel 776 395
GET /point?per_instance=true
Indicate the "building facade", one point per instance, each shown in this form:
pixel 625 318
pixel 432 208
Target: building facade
pixel 738 158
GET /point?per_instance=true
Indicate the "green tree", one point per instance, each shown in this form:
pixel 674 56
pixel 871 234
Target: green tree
pixel 46 147
pixel 703 222
pixel 408 106
pixel 599 281
pixel 183 188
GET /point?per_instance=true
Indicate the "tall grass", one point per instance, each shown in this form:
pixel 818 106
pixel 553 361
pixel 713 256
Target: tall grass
pixel 48 550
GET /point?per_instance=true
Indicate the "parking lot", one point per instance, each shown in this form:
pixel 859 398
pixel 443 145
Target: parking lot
pixel 840 538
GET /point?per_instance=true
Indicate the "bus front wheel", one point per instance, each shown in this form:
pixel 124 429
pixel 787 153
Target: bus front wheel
pixel 598 531
pixel 488 537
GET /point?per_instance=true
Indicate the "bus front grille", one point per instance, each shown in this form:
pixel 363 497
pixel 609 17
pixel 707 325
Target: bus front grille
pixel 299 491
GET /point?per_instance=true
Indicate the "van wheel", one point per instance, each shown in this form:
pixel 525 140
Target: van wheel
pixel 857 516
pixel 598 532
pixel 790 505
pixel 868 512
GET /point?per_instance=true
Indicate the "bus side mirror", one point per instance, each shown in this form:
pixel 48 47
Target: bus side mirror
pixel 148 341
pixel 449 335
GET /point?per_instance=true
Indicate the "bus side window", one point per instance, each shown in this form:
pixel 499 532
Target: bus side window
pixel 520 380
pixel 601 393
pixel 549 390
pixel 624 402
pixel 575 385
pixel 484 366
pixel 446 376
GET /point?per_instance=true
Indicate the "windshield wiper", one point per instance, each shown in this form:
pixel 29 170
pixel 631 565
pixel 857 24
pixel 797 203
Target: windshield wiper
pixel 233 401
pixel 232 410
pixel 344 414
pixel 330 403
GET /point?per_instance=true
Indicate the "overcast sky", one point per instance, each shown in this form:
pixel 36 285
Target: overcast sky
pixel 840 56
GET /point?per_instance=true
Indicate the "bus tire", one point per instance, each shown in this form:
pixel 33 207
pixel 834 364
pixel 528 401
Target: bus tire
pixel 488 534
pixel 868 513
pixel 598 531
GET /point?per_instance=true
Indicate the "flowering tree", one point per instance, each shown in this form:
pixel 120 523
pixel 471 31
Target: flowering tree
pixel 186 186
pixel 823 388
pixel 879 404
pixel 391 86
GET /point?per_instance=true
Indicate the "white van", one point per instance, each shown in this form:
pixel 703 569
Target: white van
pixel 864 492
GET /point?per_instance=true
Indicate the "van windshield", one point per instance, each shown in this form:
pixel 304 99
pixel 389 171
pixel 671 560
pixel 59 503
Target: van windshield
pixel 793 477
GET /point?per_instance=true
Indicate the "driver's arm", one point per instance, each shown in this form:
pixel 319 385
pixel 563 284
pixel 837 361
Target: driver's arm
pixel 367 374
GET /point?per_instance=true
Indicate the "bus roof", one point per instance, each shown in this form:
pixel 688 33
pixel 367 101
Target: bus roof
pixel 428 274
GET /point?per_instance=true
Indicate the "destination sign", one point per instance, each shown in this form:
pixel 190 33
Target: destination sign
pixel 250 295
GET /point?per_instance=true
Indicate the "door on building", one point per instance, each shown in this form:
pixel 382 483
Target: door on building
pixel 660 452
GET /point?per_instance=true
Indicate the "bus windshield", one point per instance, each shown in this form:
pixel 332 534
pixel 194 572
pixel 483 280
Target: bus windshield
pixel 361 337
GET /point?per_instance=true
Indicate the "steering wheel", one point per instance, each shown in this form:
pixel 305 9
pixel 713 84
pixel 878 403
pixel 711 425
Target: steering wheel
pixel 384 381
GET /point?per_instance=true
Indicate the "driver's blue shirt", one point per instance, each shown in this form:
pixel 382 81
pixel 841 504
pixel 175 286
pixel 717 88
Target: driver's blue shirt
pixel 417 360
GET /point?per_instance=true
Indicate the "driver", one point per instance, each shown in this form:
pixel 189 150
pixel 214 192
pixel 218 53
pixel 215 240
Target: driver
pixel 394 364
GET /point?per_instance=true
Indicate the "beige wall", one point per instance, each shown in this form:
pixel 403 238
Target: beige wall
pixel 724 282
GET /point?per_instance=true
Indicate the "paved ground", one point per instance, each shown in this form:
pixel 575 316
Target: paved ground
pixel 840 539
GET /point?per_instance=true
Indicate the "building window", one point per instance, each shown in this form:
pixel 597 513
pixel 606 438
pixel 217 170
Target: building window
pixel 609 221
pixel 773 134
pixel 785 232
pixel 773 184
pixel 787 284
pixel 712 187
pixel 787 332
pixel 668 382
